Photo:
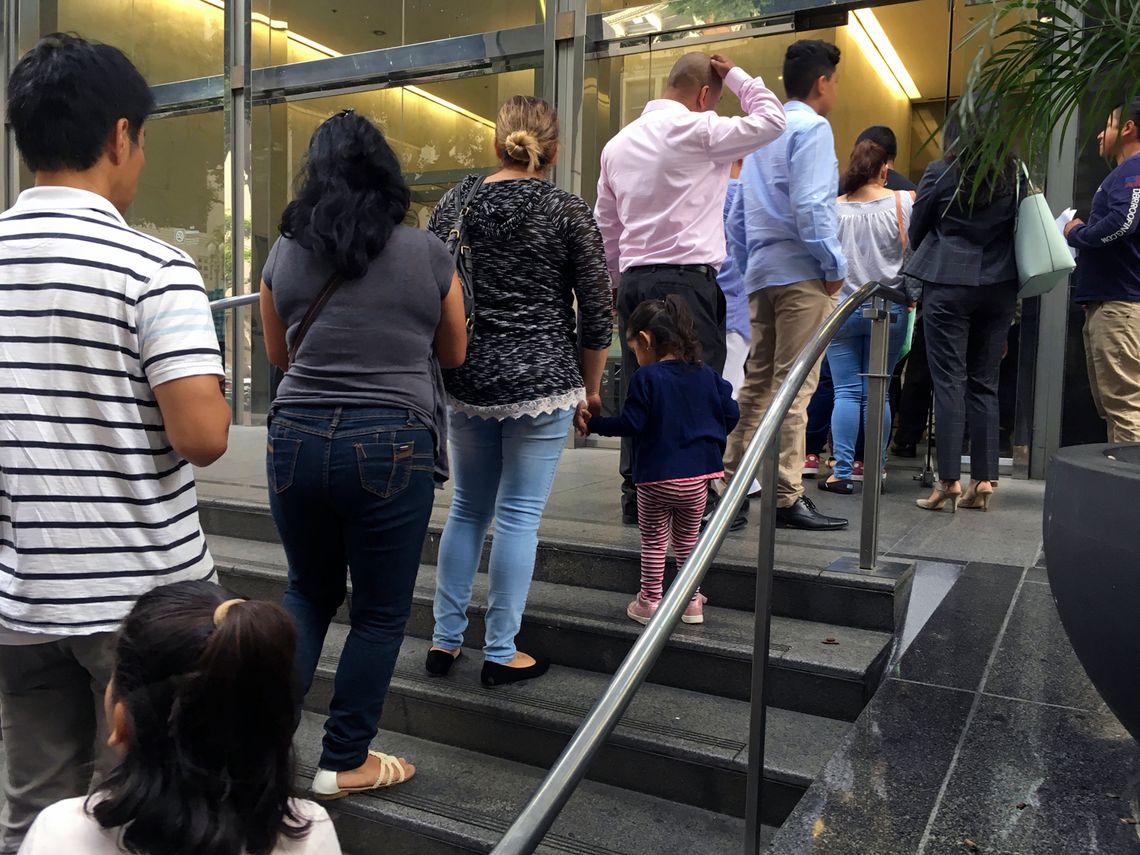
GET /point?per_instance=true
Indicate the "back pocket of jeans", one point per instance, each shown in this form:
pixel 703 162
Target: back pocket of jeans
pixel 282 462
pixel 385 467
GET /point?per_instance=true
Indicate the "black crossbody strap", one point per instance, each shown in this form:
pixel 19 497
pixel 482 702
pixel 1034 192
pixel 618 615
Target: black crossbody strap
pixel 311 315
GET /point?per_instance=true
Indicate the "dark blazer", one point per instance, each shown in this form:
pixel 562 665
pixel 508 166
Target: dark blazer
pixel 955 244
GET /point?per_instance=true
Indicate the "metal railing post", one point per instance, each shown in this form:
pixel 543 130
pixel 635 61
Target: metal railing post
pixel 758 725
pixel 878 385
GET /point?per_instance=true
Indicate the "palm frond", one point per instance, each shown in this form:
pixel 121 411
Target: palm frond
pixel 1043 61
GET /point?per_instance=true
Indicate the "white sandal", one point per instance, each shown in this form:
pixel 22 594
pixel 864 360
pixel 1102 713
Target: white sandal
pixel 392 772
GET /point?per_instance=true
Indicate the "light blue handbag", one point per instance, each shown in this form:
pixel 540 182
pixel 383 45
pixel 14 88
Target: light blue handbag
pixel 1044 260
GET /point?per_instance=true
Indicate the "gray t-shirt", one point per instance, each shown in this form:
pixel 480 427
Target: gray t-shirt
pixel 371 345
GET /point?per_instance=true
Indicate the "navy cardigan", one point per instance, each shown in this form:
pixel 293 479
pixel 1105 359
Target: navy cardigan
pixel 681 415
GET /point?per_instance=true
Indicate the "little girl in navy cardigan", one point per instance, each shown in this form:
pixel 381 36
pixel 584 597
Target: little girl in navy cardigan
pixel 681 413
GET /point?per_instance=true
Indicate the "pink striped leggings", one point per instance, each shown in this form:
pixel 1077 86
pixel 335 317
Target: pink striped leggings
pixel 667 511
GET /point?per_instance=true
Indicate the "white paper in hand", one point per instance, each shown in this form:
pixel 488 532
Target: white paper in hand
pixel 1063 220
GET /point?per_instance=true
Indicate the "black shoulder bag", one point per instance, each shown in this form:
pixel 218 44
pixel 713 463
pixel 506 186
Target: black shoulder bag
pixel 311 315
pixel 460 250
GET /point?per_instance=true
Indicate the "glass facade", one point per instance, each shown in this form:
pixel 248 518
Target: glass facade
pixel 432 73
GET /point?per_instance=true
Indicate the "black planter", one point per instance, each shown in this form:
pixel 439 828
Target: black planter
pixel 1092 549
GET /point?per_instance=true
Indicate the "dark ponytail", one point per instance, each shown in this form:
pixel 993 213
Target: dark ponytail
pixel 670 323
pixel 210 716
pixel 867 161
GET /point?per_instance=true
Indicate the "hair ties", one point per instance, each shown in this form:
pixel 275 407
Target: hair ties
pixel 221 611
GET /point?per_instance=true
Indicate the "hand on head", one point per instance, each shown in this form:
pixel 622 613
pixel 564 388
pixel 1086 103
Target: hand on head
pixel 722 65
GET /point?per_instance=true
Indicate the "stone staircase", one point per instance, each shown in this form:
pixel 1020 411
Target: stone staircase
pixel 672 777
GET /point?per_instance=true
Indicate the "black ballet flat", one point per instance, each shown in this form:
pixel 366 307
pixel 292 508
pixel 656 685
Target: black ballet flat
pixel 843 486
pixel 439 662
pixel 495 674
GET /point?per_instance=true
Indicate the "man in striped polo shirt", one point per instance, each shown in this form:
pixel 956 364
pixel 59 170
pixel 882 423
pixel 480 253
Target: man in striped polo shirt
pixel 109 390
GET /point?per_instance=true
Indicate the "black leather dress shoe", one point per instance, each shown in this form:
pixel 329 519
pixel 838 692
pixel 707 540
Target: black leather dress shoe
pixel 803 514
pixel 738 522
pixel 495 674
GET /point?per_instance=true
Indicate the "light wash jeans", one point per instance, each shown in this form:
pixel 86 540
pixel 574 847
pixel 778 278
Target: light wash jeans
pixel 848 357
pixel 503 470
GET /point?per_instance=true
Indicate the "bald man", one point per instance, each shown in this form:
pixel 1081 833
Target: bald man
pixel 661 198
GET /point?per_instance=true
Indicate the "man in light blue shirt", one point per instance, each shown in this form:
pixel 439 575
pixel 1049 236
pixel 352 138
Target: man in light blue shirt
pixel 782 233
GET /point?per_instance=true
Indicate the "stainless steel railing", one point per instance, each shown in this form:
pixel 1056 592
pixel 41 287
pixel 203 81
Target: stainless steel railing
pixel 233 302
pixel 763 454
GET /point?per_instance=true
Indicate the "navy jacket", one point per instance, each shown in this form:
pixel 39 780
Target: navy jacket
pixel 681 415
pixel 1108 267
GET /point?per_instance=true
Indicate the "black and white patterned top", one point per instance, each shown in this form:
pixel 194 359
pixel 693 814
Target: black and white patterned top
pixel 534 249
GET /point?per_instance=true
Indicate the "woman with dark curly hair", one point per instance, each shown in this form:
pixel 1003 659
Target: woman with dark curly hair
pixel 200 710
pixel 359 311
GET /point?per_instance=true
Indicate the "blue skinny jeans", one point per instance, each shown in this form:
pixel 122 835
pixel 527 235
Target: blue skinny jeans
pixel 503 470
pixel 848 357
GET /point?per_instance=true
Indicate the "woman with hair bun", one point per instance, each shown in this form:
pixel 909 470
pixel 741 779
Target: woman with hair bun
pixel 872 231
pixel 200 708
pixel 532 251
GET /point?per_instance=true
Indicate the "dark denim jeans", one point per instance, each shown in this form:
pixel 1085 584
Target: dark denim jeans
pixel 350 489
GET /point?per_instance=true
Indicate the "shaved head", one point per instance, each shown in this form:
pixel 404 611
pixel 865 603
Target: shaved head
pixel 691 72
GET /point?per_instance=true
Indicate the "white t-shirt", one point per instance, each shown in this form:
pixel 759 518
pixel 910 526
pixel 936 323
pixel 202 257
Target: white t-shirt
pixel 66 827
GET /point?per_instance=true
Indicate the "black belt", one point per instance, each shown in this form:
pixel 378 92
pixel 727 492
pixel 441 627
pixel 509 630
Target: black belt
pixel 703 269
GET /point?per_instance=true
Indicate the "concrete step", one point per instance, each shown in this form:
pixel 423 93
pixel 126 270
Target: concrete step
pixel 461 801
pixel 815 668
pixel 870 600
pixel 674 744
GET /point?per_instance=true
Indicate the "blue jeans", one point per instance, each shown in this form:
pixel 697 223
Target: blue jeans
pixel 350 489
pixel 848 357
pixel 503 470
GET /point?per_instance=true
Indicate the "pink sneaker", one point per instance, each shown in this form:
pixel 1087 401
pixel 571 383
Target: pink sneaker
pixel 695 610
pixel 811 466
pixel 857 471
pixel 640 610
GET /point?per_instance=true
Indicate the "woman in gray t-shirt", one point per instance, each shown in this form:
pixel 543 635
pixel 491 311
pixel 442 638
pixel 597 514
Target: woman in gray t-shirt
pixel 358 310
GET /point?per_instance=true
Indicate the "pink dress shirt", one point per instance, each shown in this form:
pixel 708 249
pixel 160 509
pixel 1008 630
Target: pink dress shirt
pixel 664 177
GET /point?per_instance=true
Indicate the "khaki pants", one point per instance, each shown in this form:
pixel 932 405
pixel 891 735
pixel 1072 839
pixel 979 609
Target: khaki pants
pixel 55 732
pixel 1112 351
pixel 784 318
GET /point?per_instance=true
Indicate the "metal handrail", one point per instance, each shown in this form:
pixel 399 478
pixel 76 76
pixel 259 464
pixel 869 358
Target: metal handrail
pixel 233 302
pixel 534 821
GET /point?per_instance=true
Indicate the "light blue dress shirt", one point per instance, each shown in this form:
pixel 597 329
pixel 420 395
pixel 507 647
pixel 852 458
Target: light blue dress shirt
pixel 732 283
pixel 783 226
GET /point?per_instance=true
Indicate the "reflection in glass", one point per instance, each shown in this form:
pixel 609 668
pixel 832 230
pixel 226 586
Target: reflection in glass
pixel 167 39
pixel 181 198
pixel 286 31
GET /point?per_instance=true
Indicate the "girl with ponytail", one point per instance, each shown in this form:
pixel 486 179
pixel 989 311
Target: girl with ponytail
pixel 681 412
pixel 201 708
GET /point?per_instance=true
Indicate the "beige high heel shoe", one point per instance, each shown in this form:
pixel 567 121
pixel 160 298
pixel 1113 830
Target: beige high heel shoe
pixel 977 496
pixel 940 497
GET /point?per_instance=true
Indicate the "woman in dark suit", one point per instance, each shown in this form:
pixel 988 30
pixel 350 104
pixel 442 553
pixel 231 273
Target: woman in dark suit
pixel 963 242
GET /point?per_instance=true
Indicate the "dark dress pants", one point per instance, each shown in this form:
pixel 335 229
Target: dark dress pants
pixel 914 402
pixel 697 285
pixel 966 329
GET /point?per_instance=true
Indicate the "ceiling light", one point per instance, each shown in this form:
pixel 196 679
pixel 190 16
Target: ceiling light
pixel 872 39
